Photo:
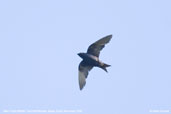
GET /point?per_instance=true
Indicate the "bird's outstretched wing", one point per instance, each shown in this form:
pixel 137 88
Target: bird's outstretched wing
pixel 95 48
pixel 83 73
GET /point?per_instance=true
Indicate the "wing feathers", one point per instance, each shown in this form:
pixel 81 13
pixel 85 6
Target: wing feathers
pixel 104 40
pixel 96 47
pixel 83 73
pixel 82 80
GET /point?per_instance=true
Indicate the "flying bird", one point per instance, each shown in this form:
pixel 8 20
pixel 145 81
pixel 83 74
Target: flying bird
pixel 91 59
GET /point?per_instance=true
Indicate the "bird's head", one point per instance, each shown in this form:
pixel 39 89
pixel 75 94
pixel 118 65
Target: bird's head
pixel 81 54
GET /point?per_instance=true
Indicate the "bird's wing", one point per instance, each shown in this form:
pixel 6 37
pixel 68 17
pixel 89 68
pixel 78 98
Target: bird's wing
pixel 83 73
pixel 95 48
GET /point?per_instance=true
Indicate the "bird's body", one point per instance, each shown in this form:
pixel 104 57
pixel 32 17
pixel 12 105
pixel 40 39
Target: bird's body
pixel 91 59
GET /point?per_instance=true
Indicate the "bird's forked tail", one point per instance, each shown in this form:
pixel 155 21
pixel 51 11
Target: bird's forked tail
pixel 104 66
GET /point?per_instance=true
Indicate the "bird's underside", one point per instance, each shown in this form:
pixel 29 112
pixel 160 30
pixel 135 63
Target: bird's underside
pixel 91 59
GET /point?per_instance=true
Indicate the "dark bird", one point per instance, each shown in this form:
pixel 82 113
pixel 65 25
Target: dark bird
pixel 91 59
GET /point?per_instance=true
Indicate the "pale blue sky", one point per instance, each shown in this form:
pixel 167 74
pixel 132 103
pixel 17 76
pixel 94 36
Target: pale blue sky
pixel 40 39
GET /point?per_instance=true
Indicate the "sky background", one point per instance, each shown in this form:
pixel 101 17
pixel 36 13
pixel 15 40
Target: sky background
pixel 40 39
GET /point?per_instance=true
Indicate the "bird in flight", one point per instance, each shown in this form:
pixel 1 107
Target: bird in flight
pixel 91 59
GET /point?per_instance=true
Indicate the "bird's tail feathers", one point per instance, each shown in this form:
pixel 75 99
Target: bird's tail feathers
pixel 104 66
